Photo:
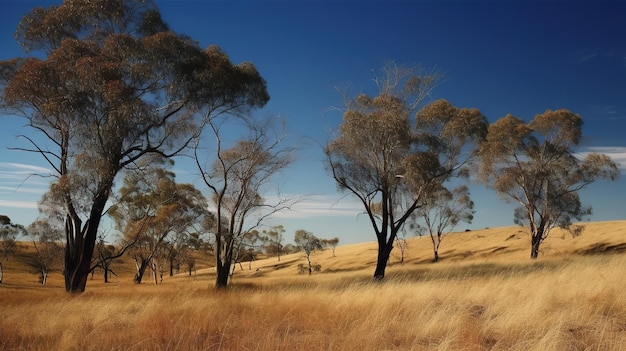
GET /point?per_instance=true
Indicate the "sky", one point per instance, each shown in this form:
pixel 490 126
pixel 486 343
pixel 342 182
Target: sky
pixel 517 57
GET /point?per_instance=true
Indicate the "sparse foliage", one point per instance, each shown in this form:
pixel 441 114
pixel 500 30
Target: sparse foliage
pixel 237 177
pixel 153 211
pixel 535 165
pixel 392 150
pixel 8 233
pixel 48 242
pixel 332 243
pixel 274 240
pixel 441 213
pixel 111 84
pixel 308 243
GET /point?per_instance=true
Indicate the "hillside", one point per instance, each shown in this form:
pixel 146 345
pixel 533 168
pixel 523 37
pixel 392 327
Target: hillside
pixel 502 245
pixel 484 294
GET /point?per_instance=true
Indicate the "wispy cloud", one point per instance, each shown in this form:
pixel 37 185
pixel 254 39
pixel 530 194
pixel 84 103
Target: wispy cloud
pixel 18 204
pixel 588 57
pixel 321 206
pixel 22 168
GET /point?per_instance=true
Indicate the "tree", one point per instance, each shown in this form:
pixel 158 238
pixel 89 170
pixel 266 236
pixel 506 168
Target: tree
pixel 8 233
pixel 308 243
pixel 391 150
pixel 535 165
pixel 274 239
pixel 110 85
pixel 152 211
pixel 441 213
pixel 332 243
pixel 105 256
pixel 237 177
pixel 47 240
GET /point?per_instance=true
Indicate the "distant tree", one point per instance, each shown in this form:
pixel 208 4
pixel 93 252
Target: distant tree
pixel 274 240
pixel 536 165
pixel 391 150
pixel 153 210
pixel 246 248
pixel 8 233
pixel 401 244
pixel 109 85
pixel 332 243
pixel 308 243
pixel 237 176
pixel 441 213
pixel 48 242
pixel 106 254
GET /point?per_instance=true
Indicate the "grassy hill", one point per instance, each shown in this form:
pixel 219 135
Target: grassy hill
pixel 484 294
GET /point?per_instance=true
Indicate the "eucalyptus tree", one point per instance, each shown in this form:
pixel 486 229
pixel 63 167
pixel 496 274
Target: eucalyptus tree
pixel 443 211
pixel 238 174
pixel 393 149
pixel 536 165
pixel 108 84
pixel 307 242
pixel 153 212
pixel 48 242
pixel 8 234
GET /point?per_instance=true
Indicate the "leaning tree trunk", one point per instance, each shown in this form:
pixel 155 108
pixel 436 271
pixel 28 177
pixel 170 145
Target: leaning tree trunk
pixel 141 269
pixel 384 251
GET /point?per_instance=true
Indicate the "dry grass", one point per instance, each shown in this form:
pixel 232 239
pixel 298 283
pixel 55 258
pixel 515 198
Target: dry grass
pixel 479 297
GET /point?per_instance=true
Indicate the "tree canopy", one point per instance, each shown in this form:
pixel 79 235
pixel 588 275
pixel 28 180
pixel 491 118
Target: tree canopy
pixel 115 84
pixel 392 150
pixel 536 165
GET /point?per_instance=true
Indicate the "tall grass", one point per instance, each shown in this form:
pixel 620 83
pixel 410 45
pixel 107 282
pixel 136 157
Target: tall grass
pixel 485 294
pixel 565 303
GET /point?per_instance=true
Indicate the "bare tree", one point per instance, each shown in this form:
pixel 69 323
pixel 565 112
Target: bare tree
pixel 391 150
pixel 535 165
pixel 111 84
pixel 441 213
pixel 237 177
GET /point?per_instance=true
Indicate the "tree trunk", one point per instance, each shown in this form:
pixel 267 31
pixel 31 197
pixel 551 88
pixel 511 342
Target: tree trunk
pixel 81 241
pixel 223 272
pixel 535 243
pixel 44 277
pixel 436 258
pixel 384 251
pixel 141 269
pixel 0 272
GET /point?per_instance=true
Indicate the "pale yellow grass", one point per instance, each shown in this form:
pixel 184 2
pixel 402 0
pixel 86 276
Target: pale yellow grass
pixel 473 301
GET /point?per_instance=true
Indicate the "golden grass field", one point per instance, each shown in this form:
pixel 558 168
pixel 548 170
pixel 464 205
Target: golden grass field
pixel 484 294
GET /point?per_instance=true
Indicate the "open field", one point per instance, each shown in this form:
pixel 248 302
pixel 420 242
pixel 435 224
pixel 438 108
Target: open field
pixel 484 294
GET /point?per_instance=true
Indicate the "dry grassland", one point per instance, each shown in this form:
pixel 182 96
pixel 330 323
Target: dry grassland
pixel 485 294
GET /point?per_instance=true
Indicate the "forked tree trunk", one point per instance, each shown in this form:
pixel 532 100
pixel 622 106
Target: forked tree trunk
pixel 78 254
pixel 141 270
pixel 81 241
pixel 223 272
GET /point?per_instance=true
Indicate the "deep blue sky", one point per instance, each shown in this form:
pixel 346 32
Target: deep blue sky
pixel 501 57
